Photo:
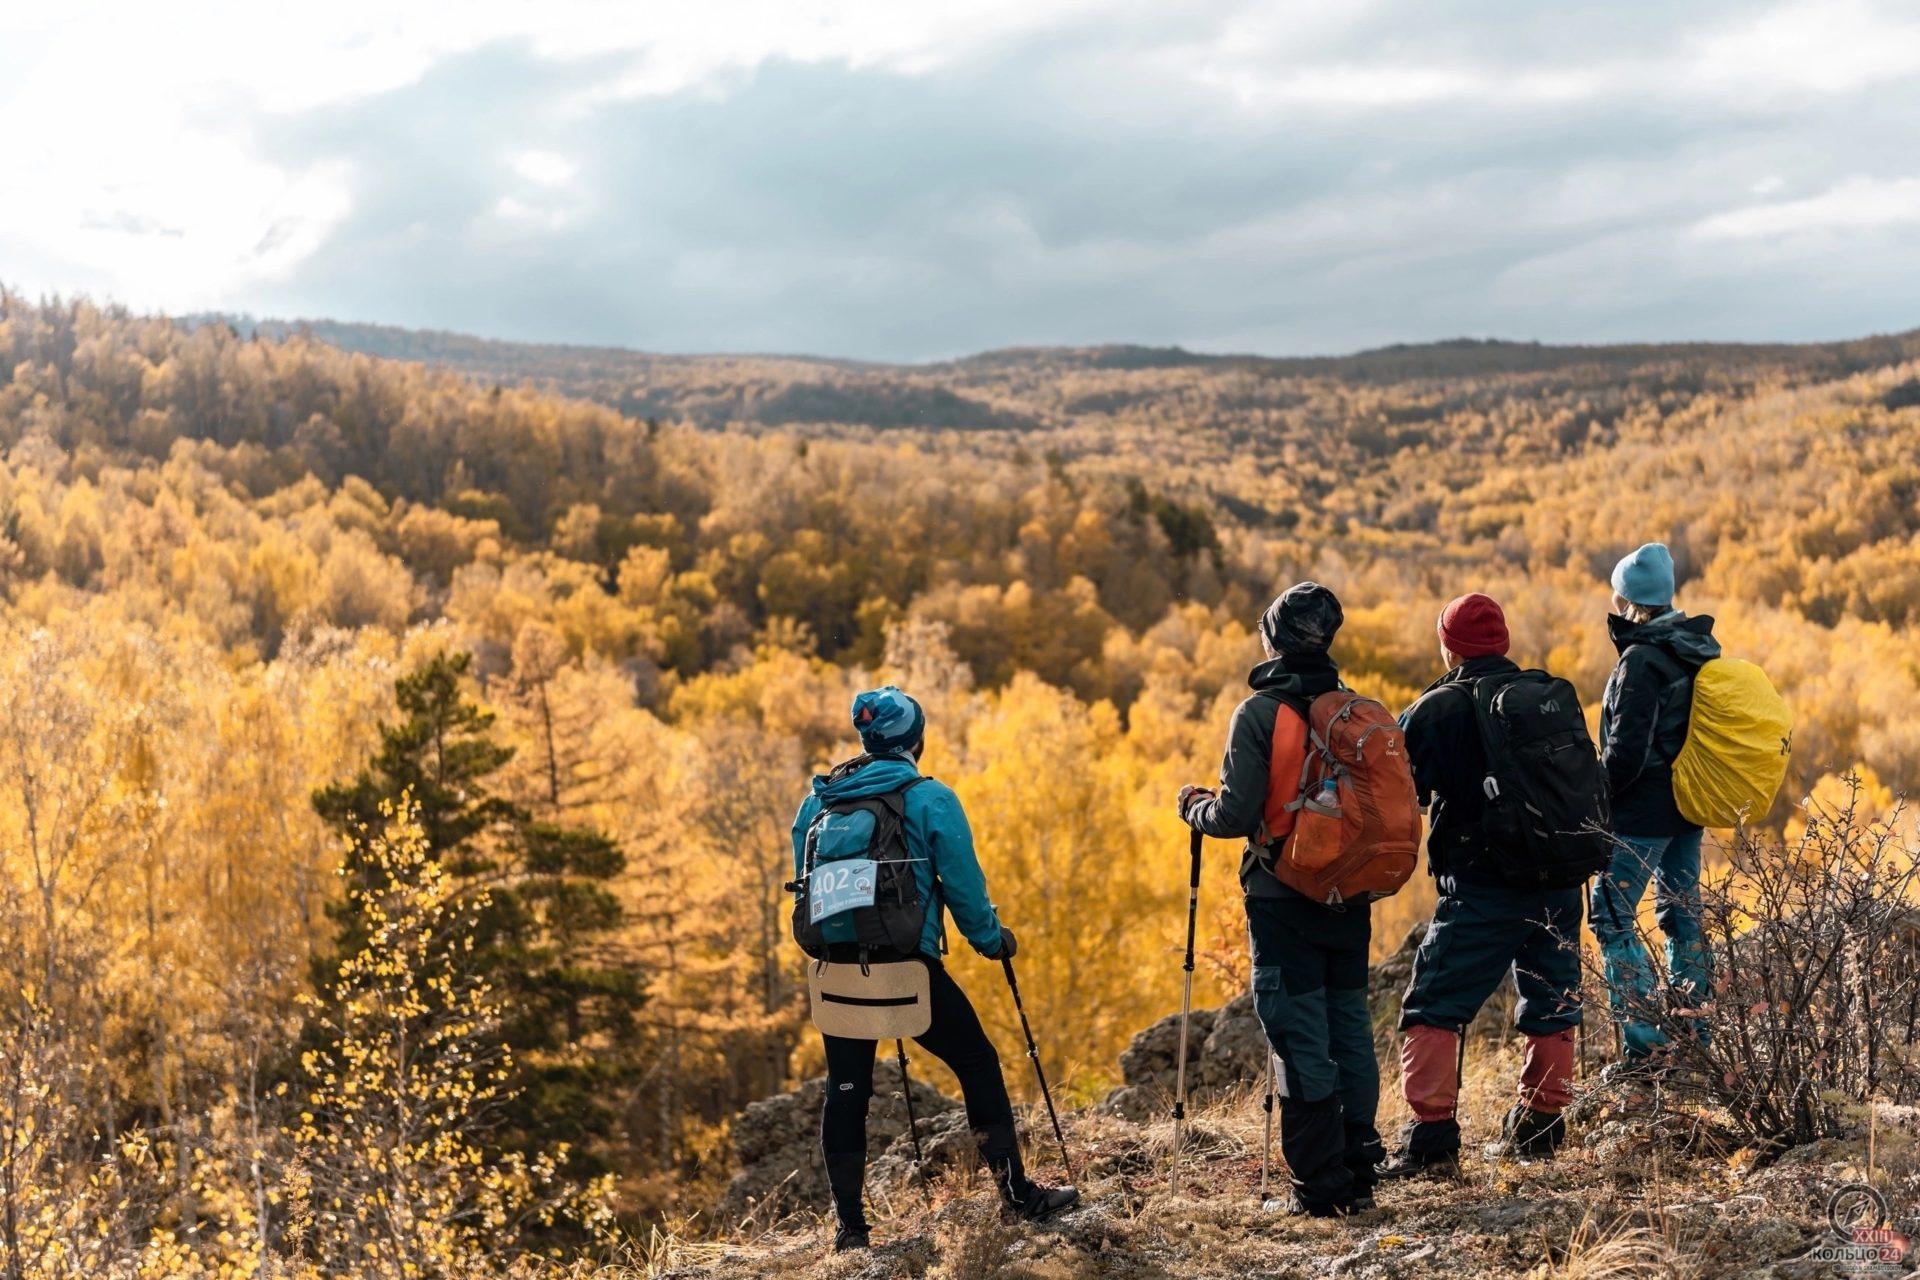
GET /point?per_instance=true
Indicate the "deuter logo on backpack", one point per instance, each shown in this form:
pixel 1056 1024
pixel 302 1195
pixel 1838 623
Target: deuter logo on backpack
pixel 1356 834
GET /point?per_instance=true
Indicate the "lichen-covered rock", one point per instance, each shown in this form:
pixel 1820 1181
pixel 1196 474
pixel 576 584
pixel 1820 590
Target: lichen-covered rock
pixel 1226 1047
pixel 1148 1060
pixel 776 1144
pixel 1138 1103
pixel 946 1144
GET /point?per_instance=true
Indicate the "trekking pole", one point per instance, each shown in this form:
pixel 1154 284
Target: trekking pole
pixel 1460 1069
pixel 1033 1055
pixel 1186 1014
pixel 913 1129
pixel 1266 1141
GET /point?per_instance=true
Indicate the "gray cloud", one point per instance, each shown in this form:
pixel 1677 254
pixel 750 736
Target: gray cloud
pixel 1187 176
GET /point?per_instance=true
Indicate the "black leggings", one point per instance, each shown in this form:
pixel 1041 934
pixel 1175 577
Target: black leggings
pixel 957 1039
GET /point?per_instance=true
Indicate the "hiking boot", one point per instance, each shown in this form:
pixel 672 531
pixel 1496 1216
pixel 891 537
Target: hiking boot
pixel 1527 1134
pixel 1041 1203
pixel 1020 1198
pixel 1408 1163
pixel 846 1177
pixel 1330 1209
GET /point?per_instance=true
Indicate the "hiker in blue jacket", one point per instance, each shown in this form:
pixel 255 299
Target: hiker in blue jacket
pixel 1643 725
pixel 892 730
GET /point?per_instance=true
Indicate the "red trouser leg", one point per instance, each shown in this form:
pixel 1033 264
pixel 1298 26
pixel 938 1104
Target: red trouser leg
pixel 1429 1072
pixel 1546 1077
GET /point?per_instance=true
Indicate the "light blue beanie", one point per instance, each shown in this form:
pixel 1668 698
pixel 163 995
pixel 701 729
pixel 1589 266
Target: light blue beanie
pixel 887 720
pixel 1646 576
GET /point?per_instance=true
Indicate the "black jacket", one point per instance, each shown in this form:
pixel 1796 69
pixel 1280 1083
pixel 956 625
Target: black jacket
pixel 1236 809
pixel 1644 715
pixel 1450 764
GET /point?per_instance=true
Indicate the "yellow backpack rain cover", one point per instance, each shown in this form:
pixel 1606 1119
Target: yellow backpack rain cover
pixel 1738 740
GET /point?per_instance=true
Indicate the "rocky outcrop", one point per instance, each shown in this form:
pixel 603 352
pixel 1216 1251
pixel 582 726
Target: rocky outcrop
pixel 1226 1047
pixel 776 1144
pixel 1658 1185
pixel 777 1140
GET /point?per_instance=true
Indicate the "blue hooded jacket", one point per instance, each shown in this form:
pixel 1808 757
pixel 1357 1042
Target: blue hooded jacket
pixel 938 837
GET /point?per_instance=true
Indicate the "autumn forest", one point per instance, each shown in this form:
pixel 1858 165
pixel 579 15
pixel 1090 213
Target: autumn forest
pixel 553 638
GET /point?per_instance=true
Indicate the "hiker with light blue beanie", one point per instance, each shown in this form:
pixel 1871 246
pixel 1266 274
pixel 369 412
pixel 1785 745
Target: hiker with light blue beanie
pixel 892 729
pixel 1644 716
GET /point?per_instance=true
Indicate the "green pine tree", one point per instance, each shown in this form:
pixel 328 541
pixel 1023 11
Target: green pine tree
pixel 547 920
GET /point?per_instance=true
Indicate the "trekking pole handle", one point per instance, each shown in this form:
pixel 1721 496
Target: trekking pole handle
pixel 1193 893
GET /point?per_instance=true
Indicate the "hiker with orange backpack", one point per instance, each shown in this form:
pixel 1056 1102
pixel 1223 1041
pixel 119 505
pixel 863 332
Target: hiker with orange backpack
pixel 1505 766
pixel 1315 779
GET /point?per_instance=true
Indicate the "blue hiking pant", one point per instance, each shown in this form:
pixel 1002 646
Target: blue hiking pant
pixel 1310 991
pixel 1480 930
pixel 1673 864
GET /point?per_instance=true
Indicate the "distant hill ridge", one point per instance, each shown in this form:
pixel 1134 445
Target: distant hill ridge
pixel 993 390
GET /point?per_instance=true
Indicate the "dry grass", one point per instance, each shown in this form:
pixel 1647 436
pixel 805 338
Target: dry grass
pixel 1621 1250
pixel 1627 1210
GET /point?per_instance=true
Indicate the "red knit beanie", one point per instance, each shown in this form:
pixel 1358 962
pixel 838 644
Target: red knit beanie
pixel 1473 627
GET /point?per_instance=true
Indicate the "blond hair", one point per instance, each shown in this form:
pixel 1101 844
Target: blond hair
pixel 1638 613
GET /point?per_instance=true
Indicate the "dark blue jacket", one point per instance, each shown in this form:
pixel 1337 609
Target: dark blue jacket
pixel 1644 715
pixel 938 838
pixel 1450 764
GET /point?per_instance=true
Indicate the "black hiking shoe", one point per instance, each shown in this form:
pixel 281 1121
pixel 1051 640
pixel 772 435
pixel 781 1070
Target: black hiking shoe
pixel 1334 1209
pixel 1408 1163
pixel 1042 1203
pixel 1527 1134
pixel 847 1239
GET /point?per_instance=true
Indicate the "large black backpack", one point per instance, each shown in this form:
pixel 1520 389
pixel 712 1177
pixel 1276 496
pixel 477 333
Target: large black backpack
pixel 871 827
pixel 1547 813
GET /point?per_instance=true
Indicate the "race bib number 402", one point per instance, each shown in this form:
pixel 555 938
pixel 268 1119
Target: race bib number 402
pixel 839 886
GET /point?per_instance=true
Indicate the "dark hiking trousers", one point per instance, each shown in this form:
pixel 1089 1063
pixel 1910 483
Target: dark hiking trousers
pixel 957 1039
pixel 1310 990
pixel 1482 928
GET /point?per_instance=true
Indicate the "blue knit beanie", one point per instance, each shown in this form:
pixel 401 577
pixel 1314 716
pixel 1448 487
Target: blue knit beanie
pixel 1646 576
pixel 887 720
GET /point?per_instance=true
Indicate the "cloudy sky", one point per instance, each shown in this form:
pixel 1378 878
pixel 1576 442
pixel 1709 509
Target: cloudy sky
pixel 899 180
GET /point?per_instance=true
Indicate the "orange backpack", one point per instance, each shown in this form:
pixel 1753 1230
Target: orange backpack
pixel 1356 828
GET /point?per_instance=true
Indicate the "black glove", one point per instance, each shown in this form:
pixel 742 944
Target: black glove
pixel 1008 945
pixel 1190 796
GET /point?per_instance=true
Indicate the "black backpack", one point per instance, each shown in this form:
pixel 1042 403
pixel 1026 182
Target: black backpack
pixel 1547 814
pixel 872 827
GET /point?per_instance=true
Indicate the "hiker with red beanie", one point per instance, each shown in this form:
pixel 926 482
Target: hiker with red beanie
pixel 1517 811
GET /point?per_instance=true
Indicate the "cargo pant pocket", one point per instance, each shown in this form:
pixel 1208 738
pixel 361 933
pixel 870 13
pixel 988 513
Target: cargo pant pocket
pixel 1296 1027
